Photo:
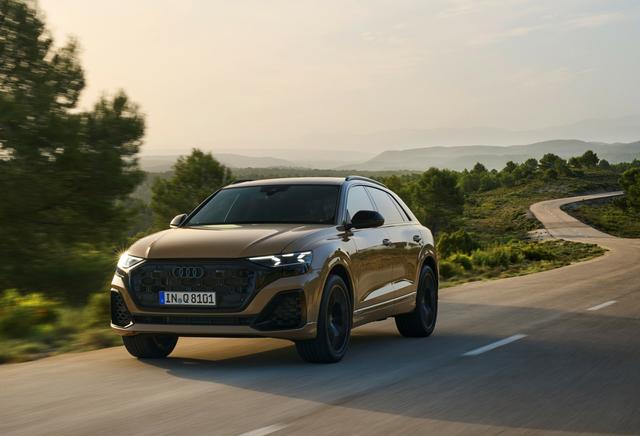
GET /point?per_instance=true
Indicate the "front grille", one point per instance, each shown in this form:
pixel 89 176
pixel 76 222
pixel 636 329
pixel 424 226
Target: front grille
pixel 120 315
pixel 234 282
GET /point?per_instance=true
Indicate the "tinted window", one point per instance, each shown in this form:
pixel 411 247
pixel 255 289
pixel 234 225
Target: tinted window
pixel 386 206
pixel 358 200
pixel 304 204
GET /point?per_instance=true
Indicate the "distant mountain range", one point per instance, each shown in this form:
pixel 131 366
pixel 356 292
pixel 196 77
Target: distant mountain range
pixel 164 163
pixel 459 158
pixel 278 158
pixel 419 159
pixel 416 149
pixel 622 129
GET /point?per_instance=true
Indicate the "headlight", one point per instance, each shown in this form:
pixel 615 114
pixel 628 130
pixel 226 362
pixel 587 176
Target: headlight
pixel 126 261
pixel 302 258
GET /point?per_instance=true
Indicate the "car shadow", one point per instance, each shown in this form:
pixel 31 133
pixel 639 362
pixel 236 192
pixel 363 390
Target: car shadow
pixel 547 381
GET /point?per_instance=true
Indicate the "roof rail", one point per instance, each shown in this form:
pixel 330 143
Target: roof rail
pixel 366 179
pixel 241 181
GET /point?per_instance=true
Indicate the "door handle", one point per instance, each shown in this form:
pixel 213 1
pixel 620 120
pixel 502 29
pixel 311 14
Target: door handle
pixel 417 238
pixel 386 241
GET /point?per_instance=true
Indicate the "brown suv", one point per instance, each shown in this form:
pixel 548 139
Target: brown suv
pixel 305 259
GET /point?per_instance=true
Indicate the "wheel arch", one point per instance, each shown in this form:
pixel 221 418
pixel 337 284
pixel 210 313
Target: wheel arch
pixel 341 271
pixel 431 262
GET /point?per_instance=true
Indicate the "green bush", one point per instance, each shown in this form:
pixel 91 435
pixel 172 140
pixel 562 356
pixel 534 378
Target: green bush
pixel 71 275
pixel 21 315
pixel 457 242
pixel 450 269
pixel 463 260
pixel 501 255
pixel 537 252
pixel 98 310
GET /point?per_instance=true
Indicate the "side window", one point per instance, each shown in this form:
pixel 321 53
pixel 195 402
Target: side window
pixel 358 200
pixel 403 212
pixel 386 206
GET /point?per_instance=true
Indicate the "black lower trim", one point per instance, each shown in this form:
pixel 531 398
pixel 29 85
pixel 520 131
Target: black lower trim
pixel 193 320
pixel 285 311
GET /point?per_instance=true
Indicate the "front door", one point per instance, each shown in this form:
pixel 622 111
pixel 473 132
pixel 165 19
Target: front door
pixel 372 261
pixel 404 249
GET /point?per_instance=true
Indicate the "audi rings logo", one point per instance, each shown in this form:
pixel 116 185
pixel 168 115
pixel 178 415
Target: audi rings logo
pixel 188 272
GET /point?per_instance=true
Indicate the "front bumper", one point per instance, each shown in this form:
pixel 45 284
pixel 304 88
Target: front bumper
pixel 308 331
pixel 252 321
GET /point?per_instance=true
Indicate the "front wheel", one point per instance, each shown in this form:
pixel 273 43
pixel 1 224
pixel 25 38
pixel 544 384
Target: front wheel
pixel 334 325
pixel 421 322
pixel 150 346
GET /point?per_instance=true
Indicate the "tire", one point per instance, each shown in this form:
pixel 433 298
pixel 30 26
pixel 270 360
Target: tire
pixel 150 346
pixel 422 321
pixel 334 325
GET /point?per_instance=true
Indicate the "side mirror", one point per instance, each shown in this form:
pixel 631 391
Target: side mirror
pixel 366 219
pixel 177 220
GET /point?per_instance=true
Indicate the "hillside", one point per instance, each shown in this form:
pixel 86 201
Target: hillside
pixel 459 158
pixel 164 163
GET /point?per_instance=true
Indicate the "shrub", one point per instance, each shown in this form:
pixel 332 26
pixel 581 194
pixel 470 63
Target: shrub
pixel 537 252
pixel 20 315
pixel 463 260
pixel 630 182
pixel 449 269
pixel 497 256
pixel 457 242
pixel 98 310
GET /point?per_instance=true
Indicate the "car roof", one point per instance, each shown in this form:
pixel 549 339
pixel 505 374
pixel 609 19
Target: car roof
pixel 301 181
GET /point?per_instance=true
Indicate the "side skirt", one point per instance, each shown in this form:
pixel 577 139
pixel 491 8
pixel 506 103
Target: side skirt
pixel 377 312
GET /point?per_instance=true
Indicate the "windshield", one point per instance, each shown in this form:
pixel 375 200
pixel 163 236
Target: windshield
pixel 286 204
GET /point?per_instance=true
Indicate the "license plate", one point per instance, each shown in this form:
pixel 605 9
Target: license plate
pixel 188 298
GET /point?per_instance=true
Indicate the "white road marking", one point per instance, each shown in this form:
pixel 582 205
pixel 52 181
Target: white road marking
pixel 603 305
pixel 264 430
pixel 494 345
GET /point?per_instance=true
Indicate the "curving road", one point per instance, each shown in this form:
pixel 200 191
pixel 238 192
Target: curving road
pixel 553 352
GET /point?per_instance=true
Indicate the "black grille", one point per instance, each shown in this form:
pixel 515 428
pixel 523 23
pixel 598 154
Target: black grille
pixel 234 282
pixel 285 311
pixel 120 316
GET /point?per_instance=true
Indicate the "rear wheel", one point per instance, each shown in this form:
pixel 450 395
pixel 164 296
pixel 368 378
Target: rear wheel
pixel 334 325
pixel 150 346
pixel 422 321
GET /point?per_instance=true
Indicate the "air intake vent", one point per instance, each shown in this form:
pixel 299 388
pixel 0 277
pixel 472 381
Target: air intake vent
pixel 120 315
pixel 285 311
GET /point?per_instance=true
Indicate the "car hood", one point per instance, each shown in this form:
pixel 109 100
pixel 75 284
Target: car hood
pixel 221 241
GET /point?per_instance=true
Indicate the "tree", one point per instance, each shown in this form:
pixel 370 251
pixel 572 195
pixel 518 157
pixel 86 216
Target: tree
pixel 195 177
pixel 554 165
pixel 478 179
pixel 575 162
pixel 64 173
pixel 630 182
pixel 506 175
pixel 510 167
pixel 440 199
pixel 457 242
pixel 478 168
pixel 589 159
pixel 525 170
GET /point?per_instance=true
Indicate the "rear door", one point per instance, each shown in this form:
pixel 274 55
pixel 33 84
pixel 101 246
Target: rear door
pixel 372 261
pixel 404 241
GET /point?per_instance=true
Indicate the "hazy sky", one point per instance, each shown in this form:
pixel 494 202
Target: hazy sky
pixel 219 74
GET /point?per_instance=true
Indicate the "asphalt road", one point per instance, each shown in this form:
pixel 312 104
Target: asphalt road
pixel 552 352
